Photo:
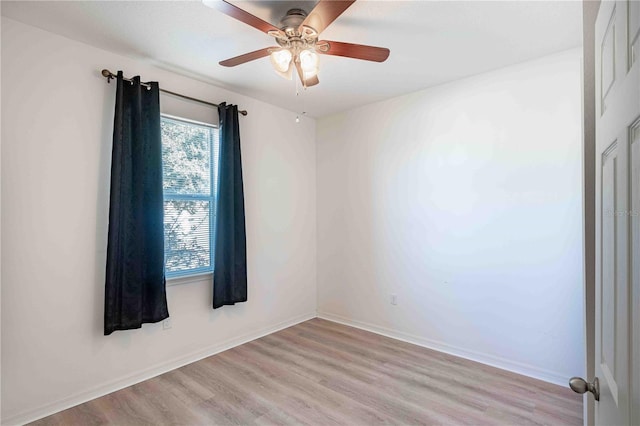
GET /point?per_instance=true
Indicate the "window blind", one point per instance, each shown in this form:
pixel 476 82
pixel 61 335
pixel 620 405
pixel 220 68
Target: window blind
pixel 190 152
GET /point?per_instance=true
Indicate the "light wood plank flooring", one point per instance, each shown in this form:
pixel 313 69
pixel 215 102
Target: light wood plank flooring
pixel 322 373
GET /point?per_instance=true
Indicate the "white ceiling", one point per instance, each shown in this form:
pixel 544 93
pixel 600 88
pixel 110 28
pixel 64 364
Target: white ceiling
pixel 431 42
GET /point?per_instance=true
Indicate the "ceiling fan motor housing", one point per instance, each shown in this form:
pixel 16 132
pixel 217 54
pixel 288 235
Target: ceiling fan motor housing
pixel 296 36
pixel 292 19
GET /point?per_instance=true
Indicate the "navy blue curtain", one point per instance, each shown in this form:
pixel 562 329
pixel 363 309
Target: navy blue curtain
pixel 230 267
pixel 135 283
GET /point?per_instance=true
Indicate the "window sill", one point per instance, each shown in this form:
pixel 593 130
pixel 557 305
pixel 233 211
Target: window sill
pixel 188 279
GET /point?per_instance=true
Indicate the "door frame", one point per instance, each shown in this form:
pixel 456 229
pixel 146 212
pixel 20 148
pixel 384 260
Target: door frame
pixel 590 10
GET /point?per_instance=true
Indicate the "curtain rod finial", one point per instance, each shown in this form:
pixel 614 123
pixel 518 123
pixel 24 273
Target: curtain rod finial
pixel 108 75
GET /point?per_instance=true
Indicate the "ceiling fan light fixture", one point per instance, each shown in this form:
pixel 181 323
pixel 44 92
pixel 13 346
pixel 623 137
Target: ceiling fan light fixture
pixel 297 38
pixel 281 60
pixel 309 62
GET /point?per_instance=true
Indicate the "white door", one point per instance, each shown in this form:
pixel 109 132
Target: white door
pixel 617 212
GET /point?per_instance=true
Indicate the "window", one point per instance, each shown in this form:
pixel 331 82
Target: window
pixel 189 175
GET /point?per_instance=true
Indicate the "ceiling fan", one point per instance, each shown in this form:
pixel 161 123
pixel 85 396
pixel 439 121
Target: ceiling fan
pixel 297 38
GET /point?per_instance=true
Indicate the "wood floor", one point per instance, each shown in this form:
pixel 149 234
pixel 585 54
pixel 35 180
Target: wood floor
pixel 323 373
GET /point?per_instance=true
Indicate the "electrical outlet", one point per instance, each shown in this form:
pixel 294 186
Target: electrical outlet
pixel 394 299
pixel 166 324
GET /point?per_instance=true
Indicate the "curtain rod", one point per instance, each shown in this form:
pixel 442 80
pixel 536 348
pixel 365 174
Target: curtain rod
pixel 109 75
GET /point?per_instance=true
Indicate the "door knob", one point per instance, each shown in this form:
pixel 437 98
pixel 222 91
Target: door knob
pixel 580 385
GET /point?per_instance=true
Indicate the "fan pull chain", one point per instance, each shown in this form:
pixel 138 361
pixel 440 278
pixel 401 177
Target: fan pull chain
pixel 297 95
pixel 300 96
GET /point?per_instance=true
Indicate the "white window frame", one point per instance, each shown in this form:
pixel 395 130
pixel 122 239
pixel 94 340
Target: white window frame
pixel 197 274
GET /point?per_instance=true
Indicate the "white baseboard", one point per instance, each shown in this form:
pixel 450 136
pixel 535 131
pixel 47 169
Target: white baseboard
pixel 492 360
pixel 123 382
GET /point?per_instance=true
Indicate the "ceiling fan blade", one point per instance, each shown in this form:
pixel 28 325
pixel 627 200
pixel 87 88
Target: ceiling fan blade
pixel 325 12
pixel 300 73
pixel 350 50
pixel 251 56
pixel 241 15
pixel 310 81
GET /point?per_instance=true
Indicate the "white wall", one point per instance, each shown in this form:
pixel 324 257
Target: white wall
pixel 465 201
pixel 57 113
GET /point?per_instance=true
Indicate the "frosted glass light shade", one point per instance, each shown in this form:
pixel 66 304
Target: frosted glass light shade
pixel 309 62
pixel 281 60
